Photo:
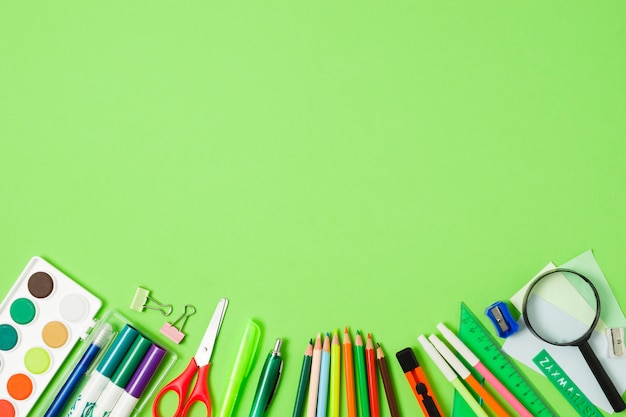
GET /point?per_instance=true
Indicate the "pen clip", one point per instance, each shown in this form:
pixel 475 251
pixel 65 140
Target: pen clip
pixel 275 388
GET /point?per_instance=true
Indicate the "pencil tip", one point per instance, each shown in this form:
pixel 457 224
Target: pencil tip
pixel 358 332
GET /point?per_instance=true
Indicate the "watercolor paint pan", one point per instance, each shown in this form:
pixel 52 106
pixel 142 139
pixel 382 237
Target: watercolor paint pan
pixel 41 319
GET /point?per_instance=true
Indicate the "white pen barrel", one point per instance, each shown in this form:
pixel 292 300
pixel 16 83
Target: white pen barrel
pixel 124 406
pixel 88 396
pixel 107 400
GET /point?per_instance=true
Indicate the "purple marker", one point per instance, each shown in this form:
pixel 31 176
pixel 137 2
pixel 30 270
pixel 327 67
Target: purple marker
pixel 138 382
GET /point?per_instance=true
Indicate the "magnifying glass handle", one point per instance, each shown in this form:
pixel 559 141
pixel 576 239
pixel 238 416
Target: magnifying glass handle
pixel 602 377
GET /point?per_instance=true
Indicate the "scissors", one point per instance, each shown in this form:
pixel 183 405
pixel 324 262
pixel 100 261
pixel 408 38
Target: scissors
pixel 199 365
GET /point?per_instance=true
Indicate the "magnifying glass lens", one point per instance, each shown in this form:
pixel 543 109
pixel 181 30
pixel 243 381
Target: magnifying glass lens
pixel 562 308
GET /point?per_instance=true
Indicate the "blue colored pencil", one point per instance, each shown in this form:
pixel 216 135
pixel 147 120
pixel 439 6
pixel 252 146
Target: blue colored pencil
pixel 322 393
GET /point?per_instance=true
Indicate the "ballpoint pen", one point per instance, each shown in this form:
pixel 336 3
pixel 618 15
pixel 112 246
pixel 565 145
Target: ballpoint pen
pixel 268 381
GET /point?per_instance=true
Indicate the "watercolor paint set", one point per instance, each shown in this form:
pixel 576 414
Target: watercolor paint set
pixel 48 320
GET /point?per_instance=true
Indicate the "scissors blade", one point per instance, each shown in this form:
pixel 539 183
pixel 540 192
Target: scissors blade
pixel 203 354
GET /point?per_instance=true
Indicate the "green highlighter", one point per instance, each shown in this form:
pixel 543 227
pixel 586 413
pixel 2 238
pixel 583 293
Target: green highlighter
pixel 241 368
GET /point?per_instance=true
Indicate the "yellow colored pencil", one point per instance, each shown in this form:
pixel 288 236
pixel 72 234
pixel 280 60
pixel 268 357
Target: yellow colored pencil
pixel 335 375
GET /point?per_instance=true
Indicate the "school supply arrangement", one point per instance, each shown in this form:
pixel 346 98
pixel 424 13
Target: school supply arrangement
pixel 118 366
pixel 42 318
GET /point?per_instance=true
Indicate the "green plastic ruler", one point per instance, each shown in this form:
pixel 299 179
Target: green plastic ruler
pixel 565 385
pixel 476 336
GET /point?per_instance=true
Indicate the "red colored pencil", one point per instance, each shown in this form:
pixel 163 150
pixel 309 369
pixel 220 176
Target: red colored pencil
pixel 372 377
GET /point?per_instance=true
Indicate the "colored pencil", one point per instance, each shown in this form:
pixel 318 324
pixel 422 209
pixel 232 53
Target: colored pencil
pixel 315 377
pixel 473 361
pixel 322 392
pixel 372 377
pixel 387 384
pixel 361 376
pixel 451 376
pixel 348 364
pixel 335 376
pixel 305 374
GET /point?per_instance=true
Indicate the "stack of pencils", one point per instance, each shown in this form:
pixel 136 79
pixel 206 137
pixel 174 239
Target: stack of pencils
pixel 320 377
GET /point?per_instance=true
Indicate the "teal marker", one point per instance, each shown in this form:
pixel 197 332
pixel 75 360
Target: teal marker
pixel 125 370
pixel 83 407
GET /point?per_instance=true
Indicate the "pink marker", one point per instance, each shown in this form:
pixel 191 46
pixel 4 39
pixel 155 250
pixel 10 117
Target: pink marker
pixel 476 364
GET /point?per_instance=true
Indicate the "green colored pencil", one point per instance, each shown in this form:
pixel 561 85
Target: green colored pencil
pixel 305 374
pixel 335 375
pixel 361 376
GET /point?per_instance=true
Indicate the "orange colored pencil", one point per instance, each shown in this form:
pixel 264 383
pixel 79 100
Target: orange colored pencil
pixel 348 364
pixel 372 377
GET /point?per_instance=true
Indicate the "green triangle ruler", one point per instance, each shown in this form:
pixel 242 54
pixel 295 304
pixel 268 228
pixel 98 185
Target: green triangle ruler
pixel 476 336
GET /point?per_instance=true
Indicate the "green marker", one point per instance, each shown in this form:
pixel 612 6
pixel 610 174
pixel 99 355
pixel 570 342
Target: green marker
pixel 241 368
pixel 100 377
pixel 125 370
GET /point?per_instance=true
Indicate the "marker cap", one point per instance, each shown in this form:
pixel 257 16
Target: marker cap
pixel 116 352
pixel 131 361
pixel 145 371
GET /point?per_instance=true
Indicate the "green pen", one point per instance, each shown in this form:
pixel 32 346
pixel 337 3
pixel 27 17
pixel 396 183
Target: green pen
pixel 241 368
pixel 268 382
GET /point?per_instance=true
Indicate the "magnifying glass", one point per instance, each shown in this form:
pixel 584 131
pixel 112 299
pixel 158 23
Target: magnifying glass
pixel 543 314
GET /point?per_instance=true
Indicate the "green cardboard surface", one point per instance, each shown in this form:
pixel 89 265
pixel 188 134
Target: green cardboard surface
pixel 321 164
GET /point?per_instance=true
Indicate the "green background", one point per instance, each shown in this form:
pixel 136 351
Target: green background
pixel 322 164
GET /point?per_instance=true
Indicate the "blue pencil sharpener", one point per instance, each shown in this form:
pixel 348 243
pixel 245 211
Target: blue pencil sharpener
pixel 502 319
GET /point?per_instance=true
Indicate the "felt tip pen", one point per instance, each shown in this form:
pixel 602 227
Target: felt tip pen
pixel 473 361
pixel 104 371
pixel 241 368
pixel 139 382
pixel 100 340
pixel 268 382
pixel 451 376
pixel 114 388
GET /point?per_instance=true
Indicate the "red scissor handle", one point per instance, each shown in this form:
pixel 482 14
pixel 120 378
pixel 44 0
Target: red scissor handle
pixel 200 391
pixel 180 385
